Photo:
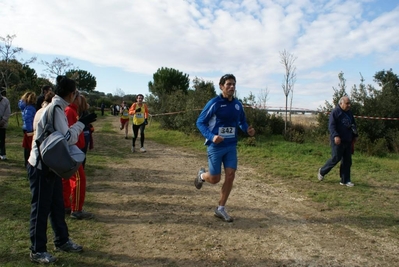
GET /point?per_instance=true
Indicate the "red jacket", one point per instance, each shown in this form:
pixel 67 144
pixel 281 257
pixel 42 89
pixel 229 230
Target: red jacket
pixel 71 113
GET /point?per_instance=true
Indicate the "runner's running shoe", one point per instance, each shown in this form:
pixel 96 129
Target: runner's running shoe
pixel 222 214
pixel 198 181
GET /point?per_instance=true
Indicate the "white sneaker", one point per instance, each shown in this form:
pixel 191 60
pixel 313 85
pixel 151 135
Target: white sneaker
pixel 348 184
pixel 133 150
pixel 3 157
pixel 319 176
pixel 142 149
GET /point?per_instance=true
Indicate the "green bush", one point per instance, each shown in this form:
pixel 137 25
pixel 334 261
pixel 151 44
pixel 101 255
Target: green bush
pixel 295 133
pixel 276 124
pixel 392 138
pixel 258 118
pixel 379 148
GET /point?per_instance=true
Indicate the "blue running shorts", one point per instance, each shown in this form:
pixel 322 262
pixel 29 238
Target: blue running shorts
pixel 218 155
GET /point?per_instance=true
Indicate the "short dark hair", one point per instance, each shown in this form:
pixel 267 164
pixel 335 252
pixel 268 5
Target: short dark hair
pixel 64 86
pixel 226 77
pixel 139 95
pixel 46 88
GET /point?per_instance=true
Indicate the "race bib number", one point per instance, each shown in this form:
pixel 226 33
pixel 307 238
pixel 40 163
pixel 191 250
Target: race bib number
pixel 227 132
pixel 139 115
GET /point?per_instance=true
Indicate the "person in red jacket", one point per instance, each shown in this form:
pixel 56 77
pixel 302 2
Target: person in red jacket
pixel 74 188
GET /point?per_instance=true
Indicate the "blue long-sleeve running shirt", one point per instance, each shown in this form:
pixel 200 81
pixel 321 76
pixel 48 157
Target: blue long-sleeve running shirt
pixel 222 117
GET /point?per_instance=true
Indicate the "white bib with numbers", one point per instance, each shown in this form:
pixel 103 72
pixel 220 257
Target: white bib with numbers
pixel 227 132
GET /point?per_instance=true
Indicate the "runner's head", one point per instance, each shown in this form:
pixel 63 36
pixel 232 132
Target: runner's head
pixel 228 86
pixel 226 77
pixel 139 98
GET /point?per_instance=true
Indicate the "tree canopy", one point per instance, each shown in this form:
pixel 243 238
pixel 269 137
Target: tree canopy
pixel 85 81
pixel 167 81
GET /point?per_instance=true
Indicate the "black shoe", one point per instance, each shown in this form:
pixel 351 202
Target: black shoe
pixel 81 215
pixel 69 246
pixel 67 211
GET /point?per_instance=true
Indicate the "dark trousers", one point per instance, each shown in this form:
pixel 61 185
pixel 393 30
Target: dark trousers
pixel 136 129
pixel 340 153
pixel 47 203
pixel 26 156
pixel 85 148
pixel 2 141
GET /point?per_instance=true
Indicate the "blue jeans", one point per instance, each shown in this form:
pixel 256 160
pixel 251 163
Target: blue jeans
pixel 340 153
pixel 47 202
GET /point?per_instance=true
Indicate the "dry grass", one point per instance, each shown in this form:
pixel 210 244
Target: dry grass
pixel 304 119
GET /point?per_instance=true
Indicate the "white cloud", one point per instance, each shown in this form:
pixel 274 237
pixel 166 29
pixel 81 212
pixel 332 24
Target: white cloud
pixel 201 37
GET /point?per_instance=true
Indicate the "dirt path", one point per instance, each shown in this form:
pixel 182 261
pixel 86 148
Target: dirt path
pixel 156 217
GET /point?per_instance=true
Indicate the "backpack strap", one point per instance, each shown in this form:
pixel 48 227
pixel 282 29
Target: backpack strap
pixel 48 129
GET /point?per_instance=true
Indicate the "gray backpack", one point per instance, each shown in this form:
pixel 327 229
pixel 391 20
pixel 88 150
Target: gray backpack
pixel 54 150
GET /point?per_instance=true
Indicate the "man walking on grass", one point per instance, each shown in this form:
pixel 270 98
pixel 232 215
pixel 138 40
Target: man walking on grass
pixel 343 133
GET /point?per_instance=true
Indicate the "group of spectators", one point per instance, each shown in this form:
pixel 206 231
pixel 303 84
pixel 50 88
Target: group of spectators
pixel 53 197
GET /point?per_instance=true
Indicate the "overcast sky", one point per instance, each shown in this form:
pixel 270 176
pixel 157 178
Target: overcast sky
pixel 123 42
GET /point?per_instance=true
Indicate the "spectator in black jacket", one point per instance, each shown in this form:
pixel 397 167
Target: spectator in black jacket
pixel 40 98
pixel 343 133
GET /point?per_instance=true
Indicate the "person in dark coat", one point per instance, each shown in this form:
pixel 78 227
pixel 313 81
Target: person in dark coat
pixel 40 98
pixel 343 133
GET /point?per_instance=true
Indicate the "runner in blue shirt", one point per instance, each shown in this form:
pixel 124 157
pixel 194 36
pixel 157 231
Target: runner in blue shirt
pixel 218 123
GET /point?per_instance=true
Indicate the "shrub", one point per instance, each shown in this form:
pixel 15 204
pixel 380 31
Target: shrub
pixel 295 133
pixel 258 118
pixel 250 141
pixel 276 124
pixel 392 137
pixel 379 148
